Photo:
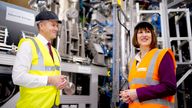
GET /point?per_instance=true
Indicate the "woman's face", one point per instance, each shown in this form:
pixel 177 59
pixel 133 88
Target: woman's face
pixel 144 38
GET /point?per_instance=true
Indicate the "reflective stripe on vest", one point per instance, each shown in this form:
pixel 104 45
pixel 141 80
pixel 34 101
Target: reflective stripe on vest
pixel 40 65
pixel 158 101
pixel 148 80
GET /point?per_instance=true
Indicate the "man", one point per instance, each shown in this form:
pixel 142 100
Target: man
pixel 37 66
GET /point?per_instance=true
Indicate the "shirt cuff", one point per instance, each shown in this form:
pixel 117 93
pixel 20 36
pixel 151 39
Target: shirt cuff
pixel 45 81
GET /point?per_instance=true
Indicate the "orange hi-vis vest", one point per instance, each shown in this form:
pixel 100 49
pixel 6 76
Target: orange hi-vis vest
pixel 42 65
pixel 146 74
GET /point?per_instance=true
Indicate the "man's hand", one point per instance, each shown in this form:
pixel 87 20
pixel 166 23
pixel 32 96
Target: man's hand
pixel 59 81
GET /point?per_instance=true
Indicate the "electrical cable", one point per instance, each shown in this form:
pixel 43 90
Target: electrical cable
pixel 11 95
pixel 128 32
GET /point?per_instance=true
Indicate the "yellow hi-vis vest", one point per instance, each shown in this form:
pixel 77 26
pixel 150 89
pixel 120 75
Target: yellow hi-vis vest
pixel 42 65
pixel 145 74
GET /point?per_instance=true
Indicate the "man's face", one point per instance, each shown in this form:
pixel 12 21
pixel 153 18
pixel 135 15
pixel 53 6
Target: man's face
pixel 49 29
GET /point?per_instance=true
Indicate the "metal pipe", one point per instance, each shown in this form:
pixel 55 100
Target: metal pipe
pixel 184 77
pixel 124 19
pixel 165 24
pixel 116 59
pixel 178 35
pixel 189 32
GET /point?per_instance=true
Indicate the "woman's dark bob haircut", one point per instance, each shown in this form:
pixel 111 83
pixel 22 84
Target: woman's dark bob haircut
pixel 144 26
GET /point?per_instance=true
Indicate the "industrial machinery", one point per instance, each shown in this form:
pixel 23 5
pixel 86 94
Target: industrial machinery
pixel 71 44
pixel 15 21
pixel 94 41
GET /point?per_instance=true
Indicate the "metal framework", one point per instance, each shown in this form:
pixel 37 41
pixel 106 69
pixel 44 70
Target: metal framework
pixel 80 100
pixel 180 38
pixel 3 39
pixel 164 21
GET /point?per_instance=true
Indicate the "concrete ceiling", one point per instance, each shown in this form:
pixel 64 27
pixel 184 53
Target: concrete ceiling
pixel 22 3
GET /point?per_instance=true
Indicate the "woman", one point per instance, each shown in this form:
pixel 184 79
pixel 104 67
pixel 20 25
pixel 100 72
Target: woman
pixel 152 79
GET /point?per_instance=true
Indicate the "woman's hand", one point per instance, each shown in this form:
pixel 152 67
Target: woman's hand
pixel 128 96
